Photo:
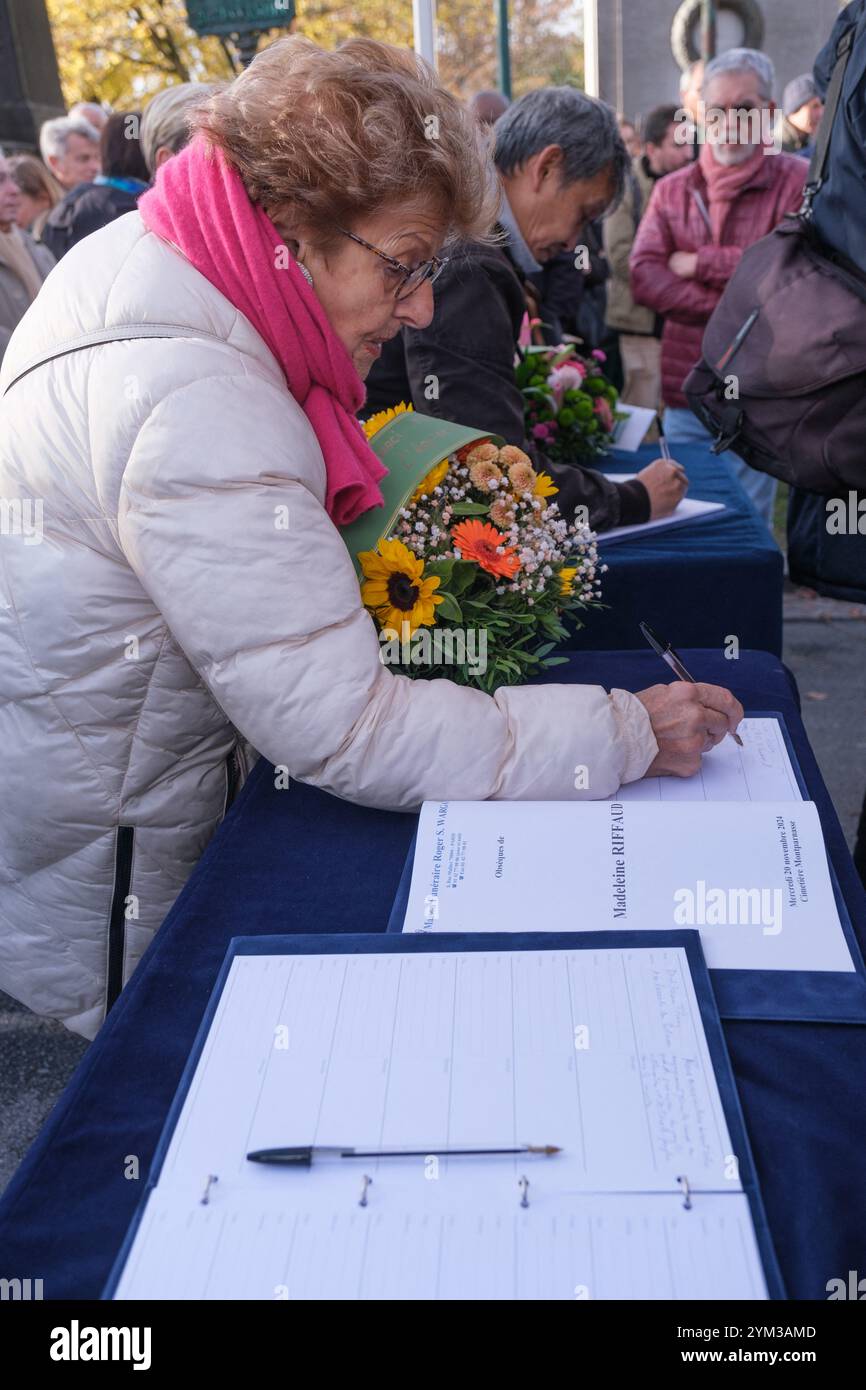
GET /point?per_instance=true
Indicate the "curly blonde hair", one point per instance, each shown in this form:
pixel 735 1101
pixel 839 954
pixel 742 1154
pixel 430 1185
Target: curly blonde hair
pixel 333 136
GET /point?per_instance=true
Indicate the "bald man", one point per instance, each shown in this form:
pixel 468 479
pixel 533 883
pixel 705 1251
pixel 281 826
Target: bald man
pixel 487 107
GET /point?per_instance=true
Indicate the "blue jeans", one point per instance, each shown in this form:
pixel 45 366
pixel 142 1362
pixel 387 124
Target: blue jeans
pixel 682 427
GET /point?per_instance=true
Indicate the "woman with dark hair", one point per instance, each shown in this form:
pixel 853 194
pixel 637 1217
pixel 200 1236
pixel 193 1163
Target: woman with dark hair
pixel 111 194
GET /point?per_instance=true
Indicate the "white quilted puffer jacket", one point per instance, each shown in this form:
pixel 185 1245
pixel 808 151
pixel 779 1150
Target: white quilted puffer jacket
pixel 160 612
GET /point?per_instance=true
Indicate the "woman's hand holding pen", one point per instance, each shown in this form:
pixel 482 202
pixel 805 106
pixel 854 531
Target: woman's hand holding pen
pixel 687 720
pixel 666 482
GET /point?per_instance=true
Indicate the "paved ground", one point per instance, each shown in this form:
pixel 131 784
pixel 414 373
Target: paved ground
pixel 825 646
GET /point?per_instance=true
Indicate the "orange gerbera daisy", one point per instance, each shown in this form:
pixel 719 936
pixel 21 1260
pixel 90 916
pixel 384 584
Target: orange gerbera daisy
pixel 478 541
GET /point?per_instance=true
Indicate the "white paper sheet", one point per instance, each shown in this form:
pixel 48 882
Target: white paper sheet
pixel 689 509
pixel 630 432
pixel 751 877
pixel 759 771
pixel 601 1052
pixel 563 1248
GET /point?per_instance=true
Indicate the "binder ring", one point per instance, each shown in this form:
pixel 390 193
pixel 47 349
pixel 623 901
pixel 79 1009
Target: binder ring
pixel 205 1197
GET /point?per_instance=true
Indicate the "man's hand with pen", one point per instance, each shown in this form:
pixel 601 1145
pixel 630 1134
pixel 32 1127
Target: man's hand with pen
pixel 665 480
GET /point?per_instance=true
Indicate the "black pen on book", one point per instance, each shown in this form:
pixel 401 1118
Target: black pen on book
pixel 669 656
pixel 305 1155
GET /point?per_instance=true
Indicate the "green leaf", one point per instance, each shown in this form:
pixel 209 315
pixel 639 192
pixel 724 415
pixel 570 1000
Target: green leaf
pixel 462 575
pixel 442 568
pixel 479 608
pixel 470 509
pixel 450 609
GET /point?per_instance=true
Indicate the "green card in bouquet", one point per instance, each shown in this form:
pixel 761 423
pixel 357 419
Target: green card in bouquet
pixel 409 445
pixel 468 570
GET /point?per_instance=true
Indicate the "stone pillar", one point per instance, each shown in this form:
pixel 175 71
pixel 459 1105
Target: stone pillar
pixel 29 82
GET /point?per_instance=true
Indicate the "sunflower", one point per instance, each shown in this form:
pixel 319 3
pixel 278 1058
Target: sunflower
pixel 566 580
pixel 382 417
pixel 479 541
pixel 544 486
pixel 395 589
pixel 430 480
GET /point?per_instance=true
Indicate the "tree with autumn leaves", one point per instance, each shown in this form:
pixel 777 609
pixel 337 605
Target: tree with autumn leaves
pixel 122 54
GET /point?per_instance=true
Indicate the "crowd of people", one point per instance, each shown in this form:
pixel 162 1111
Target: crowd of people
pixel 92 167
pixel 201 363
pixel 664 220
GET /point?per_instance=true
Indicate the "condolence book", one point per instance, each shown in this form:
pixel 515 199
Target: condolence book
pixel 605 1046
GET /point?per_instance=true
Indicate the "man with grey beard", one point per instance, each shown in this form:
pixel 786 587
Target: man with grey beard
pixel 699 222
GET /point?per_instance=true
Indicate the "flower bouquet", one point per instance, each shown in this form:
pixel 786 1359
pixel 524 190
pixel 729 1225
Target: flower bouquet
pixel 570 407
pixel 476 572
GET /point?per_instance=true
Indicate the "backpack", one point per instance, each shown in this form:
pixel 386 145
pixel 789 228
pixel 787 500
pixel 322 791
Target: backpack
pixel 782 380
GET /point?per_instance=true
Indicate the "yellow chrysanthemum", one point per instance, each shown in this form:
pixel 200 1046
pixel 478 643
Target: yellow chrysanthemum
pixel 544 486
pixel 566 580
pixel 431 480
pixel 395 588
pixel 381 418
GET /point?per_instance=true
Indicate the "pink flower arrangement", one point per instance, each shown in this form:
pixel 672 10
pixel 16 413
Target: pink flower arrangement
pixel 570 408
pixel 604 413
pixel 568 377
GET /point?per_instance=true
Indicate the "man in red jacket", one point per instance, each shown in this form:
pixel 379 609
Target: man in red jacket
pixel 701 219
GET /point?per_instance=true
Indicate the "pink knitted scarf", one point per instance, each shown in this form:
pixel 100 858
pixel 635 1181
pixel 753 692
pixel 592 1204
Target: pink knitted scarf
pixel 200 205
pixel 725 183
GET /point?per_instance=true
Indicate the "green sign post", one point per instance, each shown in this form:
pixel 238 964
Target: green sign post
pixel 244 21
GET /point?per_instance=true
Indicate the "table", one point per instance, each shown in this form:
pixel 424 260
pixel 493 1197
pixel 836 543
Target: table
pixel 696 584
pixel 298 861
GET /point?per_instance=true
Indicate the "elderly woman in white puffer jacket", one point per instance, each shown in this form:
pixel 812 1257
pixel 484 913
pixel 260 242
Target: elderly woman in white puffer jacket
pixel 185 376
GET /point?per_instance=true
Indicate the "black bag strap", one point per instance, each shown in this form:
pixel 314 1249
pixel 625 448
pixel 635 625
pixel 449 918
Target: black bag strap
pixel 818 163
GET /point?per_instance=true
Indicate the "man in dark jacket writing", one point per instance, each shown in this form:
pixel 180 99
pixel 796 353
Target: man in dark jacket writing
pixel 561 163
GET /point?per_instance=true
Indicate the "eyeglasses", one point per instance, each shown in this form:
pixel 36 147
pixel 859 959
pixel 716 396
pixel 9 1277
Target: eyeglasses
pixel 410 279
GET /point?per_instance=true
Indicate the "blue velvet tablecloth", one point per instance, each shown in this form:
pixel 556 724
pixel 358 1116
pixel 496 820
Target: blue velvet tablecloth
pixel 697 584
pixel 297 860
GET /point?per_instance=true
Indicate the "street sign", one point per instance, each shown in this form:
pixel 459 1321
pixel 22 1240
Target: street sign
pixel 235 16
